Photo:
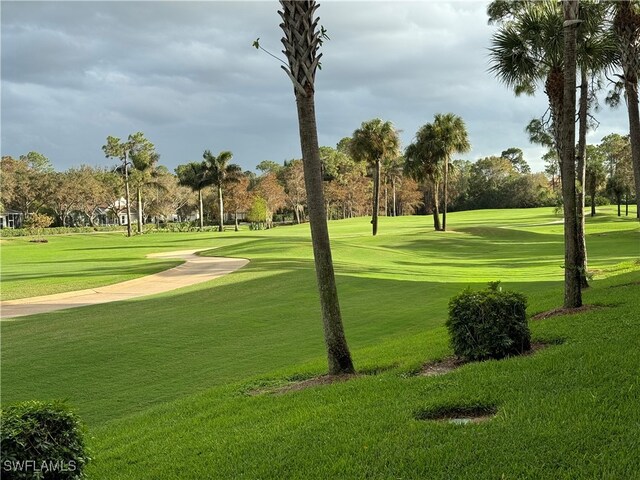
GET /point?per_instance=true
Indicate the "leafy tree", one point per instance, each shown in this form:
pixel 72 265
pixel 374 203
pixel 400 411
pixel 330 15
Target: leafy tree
pixel 516 157
pixel 294 188
pixel 238 198
pixel 221 173
pixel 270 189
pixel 269 166
pixel 195 175
pixel 372 143
pixel 36 223
pixel 595 174
pixel 392 169
pixel 25 182
pixel 258 211
pixel 302 41
pixel 136 146
pixel 144 160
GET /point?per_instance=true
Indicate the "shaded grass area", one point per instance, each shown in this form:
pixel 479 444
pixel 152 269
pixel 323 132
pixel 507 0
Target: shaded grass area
pixel 160 380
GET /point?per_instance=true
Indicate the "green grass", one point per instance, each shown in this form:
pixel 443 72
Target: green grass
pixel 160 380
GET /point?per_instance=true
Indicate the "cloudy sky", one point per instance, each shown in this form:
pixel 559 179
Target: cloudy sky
pixel 185 74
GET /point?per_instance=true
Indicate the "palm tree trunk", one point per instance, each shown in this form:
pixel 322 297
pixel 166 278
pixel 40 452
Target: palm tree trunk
pixel 436 210
pixel 235 218
pixel 581 174
pixel 393 182
pixel 593 204
pixel 126 192
pixel 634 130
pixel 139 197
pixel 200 209
pixel 376 197
pixel 220 209
pixel 386 200
pixel 572 290
pixel 339 357
pixel 445 194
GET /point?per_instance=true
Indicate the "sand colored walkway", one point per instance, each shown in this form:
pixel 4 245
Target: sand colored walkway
pixel 196 269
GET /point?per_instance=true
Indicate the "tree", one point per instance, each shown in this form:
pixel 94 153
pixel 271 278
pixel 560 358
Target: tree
pixel 135 146
pixel 572 260
pixel 423 165
pixel 516 157
pixel 302 41
pixel 626 25
pixel 144 160
pixel 449 136
pixel 64 196
pixel 270 189
pixel 25 182
pixel 238 197
pixel 195 175
pixel 294 188
pixel 392 168
pixel 595 174
pixel 221 173
pixel 372 143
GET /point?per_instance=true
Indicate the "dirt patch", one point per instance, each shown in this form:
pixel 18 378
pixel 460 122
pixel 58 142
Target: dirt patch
pixel 441 367
pixel 459 414
pixel 564 311
pixel 299 385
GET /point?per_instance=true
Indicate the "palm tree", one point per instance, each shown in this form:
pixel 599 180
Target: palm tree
pixel 626 24
pixel 393 168
pixel 114 148
pixel 302 41
pixel 220 171
pixel 144 173
pixel 195 176
pixel 572 264
pixel 422 165
pixel 450 136
pixel 372 143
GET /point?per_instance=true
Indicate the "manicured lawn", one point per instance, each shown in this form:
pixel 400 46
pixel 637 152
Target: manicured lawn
pixel 160 380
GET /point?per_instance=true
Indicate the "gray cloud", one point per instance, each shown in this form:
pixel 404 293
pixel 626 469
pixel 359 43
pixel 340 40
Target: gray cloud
pixel 185 74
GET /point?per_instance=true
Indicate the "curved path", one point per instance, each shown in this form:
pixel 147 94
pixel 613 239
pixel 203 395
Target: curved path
pixel 196 269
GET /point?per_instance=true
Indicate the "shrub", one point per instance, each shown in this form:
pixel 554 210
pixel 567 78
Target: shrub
pixel 488 324
pixel 41 440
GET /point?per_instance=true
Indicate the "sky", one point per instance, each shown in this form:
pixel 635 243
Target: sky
pixel 186 75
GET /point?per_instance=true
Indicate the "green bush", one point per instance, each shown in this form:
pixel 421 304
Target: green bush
pixel 488 324
pixel 41 440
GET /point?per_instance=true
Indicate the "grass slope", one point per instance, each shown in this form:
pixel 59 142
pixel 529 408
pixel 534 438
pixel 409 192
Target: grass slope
pixel 160 380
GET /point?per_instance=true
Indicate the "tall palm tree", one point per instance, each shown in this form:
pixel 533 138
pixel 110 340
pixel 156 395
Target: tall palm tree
pixel 144 173
pixel 528 49
pixel 301 41
pixel 422 165
pixel 393 169
pixel 572 266
pixel 195 176
pixel 450 136
pixel 220 172
pixel 626 24
pixel 372 143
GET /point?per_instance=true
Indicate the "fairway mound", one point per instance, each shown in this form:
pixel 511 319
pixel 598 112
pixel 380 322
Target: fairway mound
pixel 564 311
pixel 459 414
pixel 295 386
pixel 449 364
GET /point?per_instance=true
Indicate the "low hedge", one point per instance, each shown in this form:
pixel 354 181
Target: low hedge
pixel 488 324
pixel 41 440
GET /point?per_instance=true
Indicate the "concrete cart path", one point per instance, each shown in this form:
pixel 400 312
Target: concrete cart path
pixel 196 269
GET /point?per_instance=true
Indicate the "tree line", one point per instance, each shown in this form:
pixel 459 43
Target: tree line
pixel 408 183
